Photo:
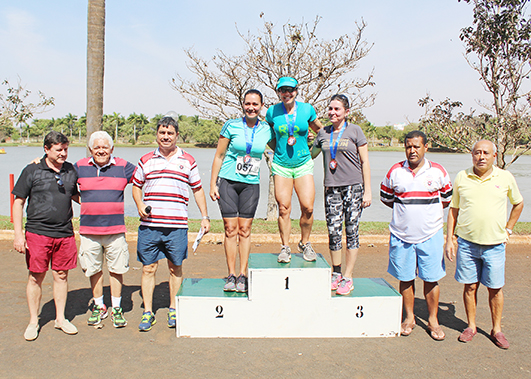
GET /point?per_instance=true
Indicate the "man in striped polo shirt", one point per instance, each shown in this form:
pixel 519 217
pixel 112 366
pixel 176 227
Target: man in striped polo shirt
pixel 417 190
pixel 164 176
pixel 102 179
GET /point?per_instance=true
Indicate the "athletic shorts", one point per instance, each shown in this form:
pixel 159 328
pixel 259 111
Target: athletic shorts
pixel 293 173
pixel 58 253
pixel 343 203
pixel 155 244
pixel 237 199
pixel 480 263
pixel 94 248
pixel 425 259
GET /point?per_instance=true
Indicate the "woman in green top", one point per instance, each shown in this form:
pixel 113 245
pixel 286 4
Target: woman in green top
pixel 235 183
pixel 293 165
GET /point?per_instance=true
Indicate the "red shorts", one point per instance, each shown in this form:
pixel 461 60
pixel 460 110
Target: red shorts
pixel 61 252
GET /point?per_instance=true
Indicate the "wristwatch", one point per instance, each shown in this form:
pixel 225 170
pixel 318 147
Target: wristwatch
pixel 510 231
pixel 206 218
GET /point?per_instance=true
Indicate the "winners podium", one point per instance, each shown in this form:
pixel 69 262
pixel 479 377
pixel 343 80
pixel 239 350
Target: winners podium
pixel 288 300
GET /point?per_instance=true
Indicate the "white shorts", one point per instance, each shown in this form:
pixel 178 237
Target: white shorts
pixel 93 247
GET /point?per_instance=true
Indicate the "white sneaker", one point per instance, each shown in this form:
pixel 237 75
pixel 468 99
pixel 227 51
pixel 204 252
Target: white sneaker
pixel 308 253
pixel 285 255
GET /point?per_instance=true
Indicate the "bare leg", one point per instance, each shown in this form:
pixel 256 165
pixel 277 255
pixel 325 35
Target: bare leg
pixel 148 285
pixel 176 278
pixel 231 243
pixel 352 255
pixel 34 294
pixel 470 298
pixel 283 192
pixel 96 283
pixel 431 293
pixel 305 189
pixel 407 290
pixel 335 255
pixel 244 233
pixel 60 293
pixel 496 308
pixel 116 281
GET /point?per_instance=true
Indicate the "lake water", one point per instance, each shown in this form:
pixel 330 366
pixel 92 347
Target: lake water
pixel 18 157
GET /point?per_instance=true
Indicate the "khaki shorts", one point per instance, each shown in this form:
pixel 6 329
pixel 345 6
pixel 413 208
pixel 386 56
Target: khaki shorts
pixel 94 247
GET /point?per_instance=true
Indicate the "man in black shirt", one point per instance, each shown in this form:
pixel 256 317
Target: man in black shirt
pixel 48 240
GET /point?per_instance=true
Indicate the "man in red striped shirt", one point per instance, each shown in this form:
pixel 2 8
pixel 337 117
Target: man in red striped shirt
pixel 164 176
pixel 102 179
pixel 417 190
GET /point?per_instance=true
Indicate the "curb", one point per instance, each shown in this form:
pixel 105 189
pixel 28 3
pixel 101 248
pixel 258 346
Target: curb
pixel 217 238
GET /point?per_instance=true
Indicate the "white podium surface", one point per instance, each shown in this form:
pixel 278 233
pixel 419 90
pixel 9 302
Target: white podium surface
pixel 288 300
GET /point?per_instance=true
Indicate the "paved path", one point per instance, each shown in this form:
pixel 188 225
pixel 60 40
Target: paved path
pixel 128 353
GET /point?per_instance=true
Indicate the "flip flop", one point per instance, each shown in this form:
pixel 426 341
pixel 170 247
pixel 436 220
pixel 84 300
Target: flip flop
pixel 436 333
pixel 406 328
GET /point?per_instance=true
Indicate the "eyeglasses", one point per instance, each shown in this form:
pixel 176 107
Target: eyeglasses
pixel 287 89
pixel 59 180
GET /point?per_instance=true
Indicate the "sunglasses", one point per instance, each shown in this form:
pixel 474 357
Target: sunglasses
pixel 287 89
pixel 59 180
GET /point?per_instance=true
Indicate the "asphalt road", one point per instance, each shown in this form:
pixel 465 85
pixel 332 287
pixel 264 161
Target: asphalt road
pixel 121 353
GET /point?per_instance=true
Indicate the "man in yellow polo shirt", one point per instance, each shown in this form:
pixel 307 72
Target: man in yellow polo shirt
pixel 478 216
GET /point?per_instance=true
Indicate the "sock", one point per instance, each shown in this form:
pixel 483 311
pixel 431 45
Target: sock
pixel 337 269
pixel 116 301
pixel 99 301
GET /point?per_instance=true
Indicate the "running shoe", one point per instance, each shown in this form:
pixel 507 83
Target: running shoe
pixel 241 283
pixel 336 278
pixel 172 318
pixel 285 255
pixel 98 314
pixel 117 317
pixel 308 253
pixel 147 322
pixel 230 284
pixel 345 287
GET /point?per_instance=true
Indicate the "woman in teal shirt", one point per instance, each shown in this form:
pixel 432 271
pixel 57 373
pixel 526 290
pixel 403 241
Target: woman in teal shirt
pixel 292 165
pixel 235 183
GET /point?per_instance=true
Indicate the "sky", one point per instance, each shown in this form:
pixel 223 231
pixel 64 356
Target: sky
pixel 416 49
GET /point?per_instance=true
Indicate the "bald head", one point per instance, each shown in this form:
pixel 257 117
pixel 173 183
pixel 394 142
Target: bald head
pixel 494 148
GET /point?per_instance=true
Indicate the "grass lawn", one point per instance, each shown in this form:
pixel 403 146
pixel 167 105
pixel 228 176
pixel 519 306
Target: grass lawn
pixel 261 226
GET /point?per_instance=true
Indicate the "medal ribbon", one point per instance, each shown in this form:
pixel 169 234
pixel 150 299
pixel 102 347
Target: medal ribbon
pixel 333 147
pixel 290 124
pixel 249 144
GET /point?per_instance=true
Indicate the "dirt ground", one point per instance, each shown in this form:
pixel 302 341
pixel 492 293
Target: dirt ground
pixel 126 352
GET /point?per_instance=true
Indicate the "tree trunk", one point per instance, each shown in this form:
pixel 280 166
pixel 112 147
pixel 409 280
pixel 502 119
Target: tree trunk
pixel 95 65
pixel 272 206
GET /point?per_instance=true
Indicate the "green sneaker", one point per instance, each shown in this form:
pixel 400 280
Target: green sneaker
pixel 172 318
pixel 117 317
pixel 98 314
pixel 147 321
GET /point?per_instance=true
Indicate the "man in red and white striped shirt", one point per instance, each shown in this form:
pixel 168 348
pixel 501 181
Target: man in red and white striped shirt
pixel 164 176
pixel 417 190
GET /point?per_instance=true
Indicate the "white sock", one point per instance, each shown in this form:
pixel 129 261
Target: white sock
pixel 116 301
pixel 99 301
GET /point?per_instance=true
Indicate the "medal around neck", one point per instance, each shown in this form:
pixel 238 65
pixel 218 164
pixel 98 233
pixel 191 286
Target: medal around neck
pixel 292 140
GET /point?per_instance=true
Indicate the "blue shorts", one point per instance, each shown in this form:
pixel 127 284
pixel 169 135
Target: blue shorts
pixel 480 263
pixel 155 244
pixel 425 259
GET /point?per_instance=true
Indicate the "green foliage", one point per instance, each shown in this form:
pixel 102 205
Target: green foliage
pixel 498 48
pixel 207 132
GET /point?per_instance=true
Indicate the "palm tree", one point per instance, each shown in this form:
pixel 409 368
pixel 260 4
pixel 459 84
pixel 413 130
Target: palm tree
pixel 70 120
pixel 95 64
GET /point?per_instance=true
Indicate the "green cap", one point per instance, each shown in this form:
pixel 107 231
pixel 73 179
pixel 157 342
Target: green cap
pixel 287 81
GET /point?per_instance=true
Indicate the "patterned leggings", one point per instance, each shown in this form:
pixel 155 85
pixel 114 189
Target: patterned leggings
pixel 343 203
